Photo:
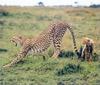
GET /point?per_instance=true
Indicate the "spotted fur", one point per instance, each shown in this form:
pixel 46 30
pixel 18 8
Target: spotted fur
pixel 20 40
pixel 52 35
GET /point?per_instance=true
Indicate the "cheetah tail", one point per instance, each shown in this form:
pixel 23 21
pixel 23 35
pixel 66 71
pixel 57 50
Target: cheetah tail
pixel 73 37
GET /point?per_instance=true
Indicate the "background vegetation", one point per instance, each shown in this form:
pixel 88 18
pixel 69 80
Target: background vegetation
pixel 30 21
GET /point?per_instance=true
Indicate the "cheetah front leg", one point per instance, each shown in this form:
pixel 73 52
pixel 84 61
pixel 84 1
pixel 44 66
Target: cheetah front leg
pixel 19 57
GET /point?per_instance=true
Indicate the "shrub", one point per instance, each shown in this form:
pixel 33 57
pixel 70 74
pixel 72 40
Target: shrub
pixel 68 69
pixel 4 13
pixel 3 50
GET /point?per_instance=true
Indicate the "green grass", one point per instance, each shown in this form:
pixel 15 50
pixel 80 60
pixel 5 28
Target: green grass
pixel 30 21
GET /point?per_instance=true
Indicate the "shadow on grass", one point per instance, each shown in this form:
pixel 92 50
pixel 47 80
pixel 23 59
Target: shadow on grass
pixel 66 54
pixel 3 50
pixel 71 54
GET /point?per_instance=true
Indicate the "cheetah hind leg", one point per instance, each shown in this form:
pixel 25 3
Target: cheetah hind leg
pixel 57 45
pixel 56 53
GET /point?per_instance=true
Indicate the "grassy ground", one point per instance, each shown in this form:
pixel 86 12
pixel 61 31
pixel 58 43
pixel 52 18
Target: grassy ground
pixel 30 21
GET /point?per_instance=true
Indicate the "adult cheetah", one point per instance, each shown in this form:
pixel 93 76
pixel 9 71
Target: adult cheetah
pixel 51 36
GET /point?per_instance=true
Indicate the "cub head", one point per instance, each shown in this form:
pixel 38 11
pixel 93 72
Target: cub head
pixel 87 41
